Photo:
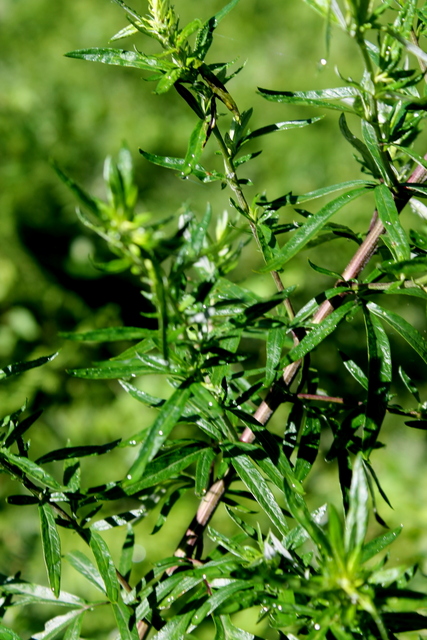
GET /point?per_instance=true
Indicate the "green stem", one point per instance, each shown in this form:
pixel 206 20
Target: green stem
pixel 234 185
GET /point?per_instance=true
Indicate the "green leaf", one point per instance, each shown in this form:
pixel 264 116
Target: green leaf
pixel 356 522
pixel 205 36
pixel 51 544
pixel 160 430
pixel 178 164
pixel 114 369
pixel 275 342
pixel 216 599
pixel 309 523
pixel 122 58
pixel 54 626
pixel 109 334
pixel 8 634
pixel 36 594
pixel 279 126
pixel 125 620
pixel 355 370
pixel 409 384
pixel 378 544
pixel 359 146
pixel 373 145
pixel 142 396
pixel 105 565
pixel 74 629
pixel 318 333
pixel 252 478
pixel 204 471
pixel 20 367
pixel 314 98
pixel 195 147
pixel 308 446
pixel 292 199
pixel 407 331
pixel 379 380
pixel 86 568
pixel 310 229
pixel 407 268
pixel 395 238
pixel 164 467
pixel 31 469
pixel 77 452
pixel 119 519
pixel 176 628
pixel 126 556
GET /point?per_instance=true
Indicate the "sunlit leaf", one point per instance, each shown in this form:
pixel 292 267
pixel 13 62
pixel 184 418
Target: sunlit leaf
pixel 86 568
pixel 163 425
pixel 313 225
pixel 105 565
pixel 20 367
pixel 407 331
pixel 51 544
pixel 357 518
pixel 56 625
pixel 395 237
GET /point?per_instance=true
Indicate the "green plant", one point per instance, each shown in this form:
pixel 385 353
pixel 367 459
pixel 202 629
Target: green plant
pixel 309 574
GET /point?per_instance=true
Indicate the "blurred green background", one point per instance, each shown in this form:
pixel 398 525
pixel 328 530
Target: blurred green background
pixel 76 113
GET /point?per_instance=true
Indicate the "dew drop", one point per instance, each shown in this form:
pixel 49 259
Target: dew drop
pixel 160 433
pixel 129 477
pixel 210 404
pixel 279 608
pixel 132 442
pixel 317 627
pixel 323 62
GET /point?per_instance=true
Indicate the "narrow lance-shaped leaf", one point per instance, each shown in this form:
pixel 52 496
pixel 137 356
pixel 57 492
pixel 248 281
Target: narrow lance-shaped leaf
pixel 378 544
pixel 204 470
pixel 125 620
pixel 8 634
pixel 311 228
pixel 126 556
pixel 20 367
pixel 205 36
pixel 195 147
pixel 321 98
pixel 373 145
pixel 357 518
pixel 74 629
pixel 109 334
pixel 279 126
pixel 406 330
pixel 316 335
pixel 163 425
pixel 31 469
pixel 81 563
pixel 51 544
pixel 359 146
pixel 395 237
pixel 122 58
pixel 248 472
pixel 308 446
pixel 290 198
pixel 58 624
pixel 105 565
pixel 379 380
pixel 275 341
pixel 178 164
